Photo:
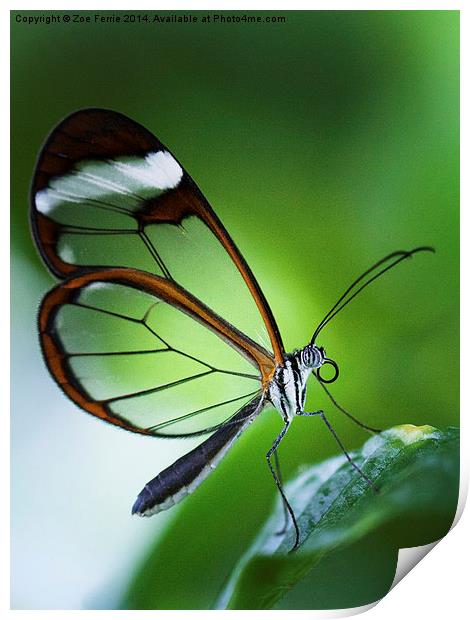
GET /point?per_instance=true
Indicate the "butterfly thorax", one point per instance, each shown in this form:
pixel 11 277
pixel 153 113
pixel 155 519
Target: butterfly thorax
pixel 288 387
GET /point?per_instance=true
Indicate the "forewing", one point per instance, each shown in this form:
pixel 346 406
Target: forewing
pixel 140 352
pixel 107 192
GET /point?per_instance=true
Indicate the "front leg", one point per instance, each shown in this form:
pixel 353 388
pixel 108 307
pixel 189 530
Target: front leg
pixel 338 441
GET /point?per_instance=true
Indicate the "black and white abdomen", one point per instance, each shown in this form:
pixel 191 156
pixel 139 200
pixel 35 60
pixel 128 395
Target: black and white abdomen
pixel 186 474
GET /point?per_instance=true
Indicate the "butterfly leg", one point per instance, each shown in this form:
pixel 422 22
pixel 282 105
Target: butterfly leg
pixel 277 465
pixel 338 441
pixel 288 507
pixel 370 429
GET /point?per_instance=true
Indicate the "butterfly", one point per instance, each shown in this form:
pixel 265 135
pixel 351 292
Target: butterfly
pixel 141 331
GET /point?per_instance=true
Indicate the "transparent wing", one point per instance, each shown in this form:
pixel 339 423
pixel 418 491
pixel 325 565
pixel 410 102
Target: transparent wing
pixel 138 351
pixel 107 192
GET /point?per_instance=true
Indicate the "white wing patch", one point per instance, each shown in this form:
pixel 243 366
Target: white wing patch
pixel 160 170
pixel 67 254
pixel 122 182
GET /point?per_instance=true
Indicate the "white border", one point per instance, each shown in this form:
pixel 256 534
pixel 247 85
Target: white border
pixel 438 587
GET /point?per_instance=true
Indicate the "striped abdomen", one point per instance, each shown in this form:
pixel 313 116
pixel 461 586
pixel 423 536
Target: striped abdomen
pixel 187 473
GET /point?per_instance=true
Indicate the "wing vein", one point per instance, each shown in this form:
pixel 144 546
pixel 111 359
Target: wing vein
pixel 108 353
pixel 191 357
pixel 91 202
pixel 154 253
pixel 158 388
pixel 88 230
pixel 109 312
pixel 198 411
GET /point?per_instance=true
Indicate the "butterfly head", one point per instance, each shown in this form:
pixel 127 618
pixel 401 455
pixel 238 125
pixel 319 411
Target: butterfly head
pixel 314 357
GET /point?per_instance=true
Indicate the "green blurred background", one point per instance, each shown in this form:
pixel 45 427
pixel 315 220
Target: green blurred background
pixel 323 143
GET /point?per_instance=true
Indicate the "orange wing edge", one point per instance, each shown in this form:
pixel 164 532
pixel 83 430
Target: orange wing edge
pixel 56 357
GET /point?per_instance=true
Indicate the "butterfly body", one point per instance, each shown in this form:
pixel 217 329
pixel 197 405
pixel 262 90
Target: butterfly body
pixel 286 391
pixel 182 477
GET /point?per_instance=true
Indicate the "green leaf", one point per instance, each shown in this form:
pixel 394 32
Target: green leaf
pixel 350 535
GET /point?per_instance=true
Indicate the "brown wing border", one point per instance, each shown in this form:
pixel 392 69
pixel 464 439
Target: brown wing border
pixel 122 136
pixel 65 292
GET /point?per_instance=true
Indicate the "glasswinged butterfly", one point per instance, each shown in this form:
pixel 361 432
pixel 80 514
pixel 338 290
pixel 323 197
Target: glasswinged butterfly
pixel 139 332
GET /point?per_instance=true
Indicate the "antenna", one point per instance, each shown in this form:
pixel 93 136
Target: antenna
pixel 346 297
